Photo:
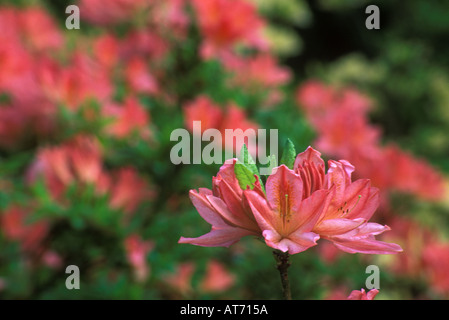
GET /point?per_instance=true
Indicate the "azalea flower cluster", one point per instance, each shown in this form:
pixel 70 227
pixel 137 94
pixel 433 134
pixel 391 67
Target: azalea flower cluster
pixel 340 118
pixel 74 100
pixel 299 206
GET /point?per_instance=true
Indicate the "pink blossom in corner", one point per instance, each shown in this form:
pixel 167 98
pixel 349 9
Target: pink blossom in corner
pixel 362 295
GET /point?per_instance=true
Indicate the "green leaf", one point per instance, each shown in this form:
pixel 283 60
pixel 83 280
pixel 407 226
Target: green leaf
pixel 289 154
pixel 247 160
pixel 244 176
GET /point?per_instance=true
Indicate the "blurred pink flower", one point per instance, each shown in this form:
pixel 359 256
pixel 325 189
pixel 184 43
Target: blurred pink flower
pixel 217 278
pixel 39 29
pixel 181 279
pixel 129 118
pixel 414 238
pixel 136 252
pixel 261 71
pixel 436 263
pixel 225 23
pixel 202 109
pixel 212 116
pixel 344 130
pixel 15 226
pixel 117 11
pixel 78 160
pixel 139 78
pixel 362 295
pixel 128 190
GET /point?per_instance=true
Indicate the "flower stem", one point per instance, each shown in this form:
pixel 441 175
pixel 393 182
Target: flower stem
pixel 282 264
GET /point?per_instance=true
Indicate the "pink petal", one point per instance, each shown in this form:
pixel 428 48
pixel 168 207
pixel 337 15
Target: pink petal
pixel 310 211
pixel 366 246
pixel 237 218
pixel 332 227
pixel 310 155
pixel 310 167
pixel 217 237
pixel 284 191
pixel 206 210
pixel 264 215
pixel 295 243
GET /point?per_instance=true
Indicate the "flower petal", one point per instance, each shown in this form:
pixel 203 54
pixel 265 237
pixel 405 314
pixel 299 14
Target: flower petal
pixel 332 227
pixel 284 191
pixel 205 209
pixel 217 237
pixel 310 211
pixel 264 215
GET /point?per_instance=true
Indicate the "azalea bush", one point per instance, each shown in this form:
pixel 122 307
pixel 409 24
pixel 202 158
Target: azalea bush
pixel 90 170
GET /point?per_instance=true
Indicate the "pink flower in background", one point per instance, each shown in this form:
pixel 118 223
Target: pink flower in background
pixel 362 295
pixel 139 78
pixel 106 50
pixel 344 130
pixel 204 110
pixel 76 161
pixel 128 119
pixel 436 263
pixel 213 116
pixel 225 23
pixel 15 224
pixel 217 278
pixel 261 71
pixel 136 252
pixel 284 216
pixel 225 209
pixel 128 190
pixel 414 238
pixel 181 279
pixel 116 11
pixel 40 30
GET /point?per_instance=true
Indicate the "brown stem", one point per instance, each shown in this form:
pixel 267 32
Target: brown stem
pixel 282 264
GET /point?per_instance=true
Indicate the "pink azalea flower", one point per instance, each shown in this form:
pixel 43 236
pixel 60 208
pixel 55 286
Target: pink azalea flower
pixel 352 204
pixel 225 209
pixel 285 217
pixel 362 295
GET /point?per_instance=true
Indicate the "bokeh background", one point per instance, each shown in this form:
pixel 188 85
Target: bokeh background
pixel 86 117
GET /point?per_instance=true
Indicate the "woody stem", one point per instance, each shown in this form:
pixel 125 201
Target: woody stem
pixel 282 264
